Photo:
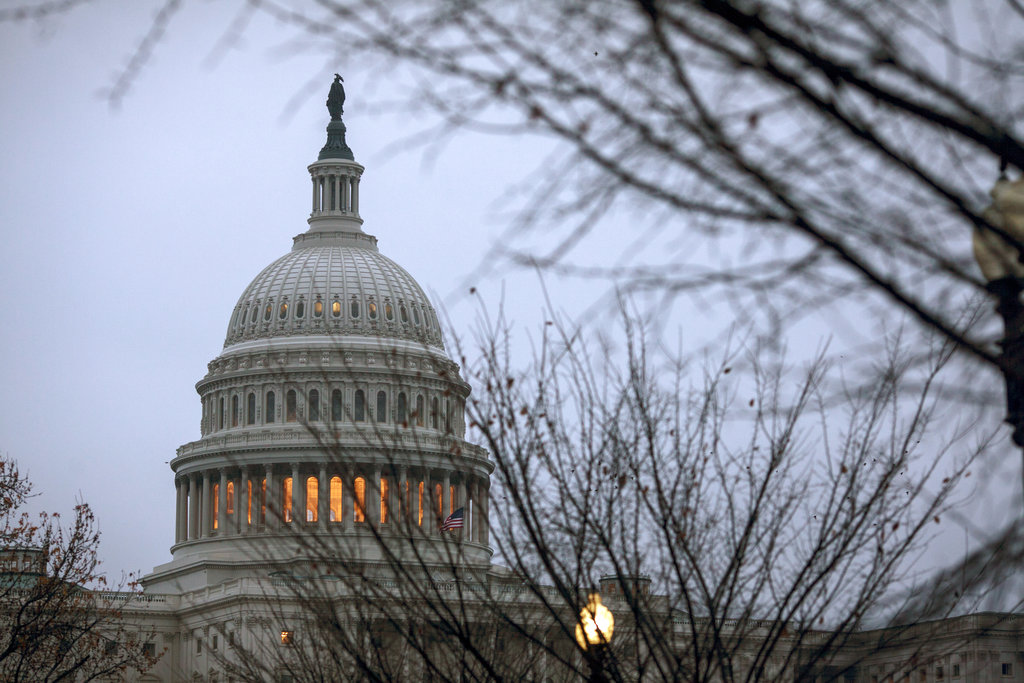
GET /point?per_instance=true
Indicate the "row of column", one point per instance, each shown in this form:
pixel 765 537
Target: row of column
pixel 198 518
pixel 335 193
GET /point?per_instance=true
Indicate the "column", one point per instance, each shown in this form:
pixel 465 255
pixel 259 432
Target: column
pixel 222 504
pixel 316 193
pixel 430 518
pixel 446 500
pixel 373 497
pixel 460 502
pixel 273 509
pixel 193 507
pixel 298 497
pixel 348 491
pixel 338 204
pixel 355 195
pixel 205 501
pixel 323 498
pixel 485 524
pixel 242 503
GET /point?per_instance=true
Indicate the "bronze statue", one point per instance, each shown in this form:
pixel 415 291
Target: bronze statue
pixel 336 98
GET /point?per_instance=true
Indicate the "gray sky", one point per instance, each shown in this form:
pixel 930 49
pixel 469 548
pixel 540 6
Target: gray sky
pixel 129 234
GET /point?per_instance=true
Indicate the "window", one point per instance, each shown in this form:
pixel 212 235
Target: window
pixel 402 313
pixel 940 673
pixel 336 499
pixel 314 405
pixel 353 308
pixel 451 498
pixel 248 502
pixel 286 505
pixel 216 504
pixel 419 507
pixel 213 643
pixel 220 411
pixel 267 311
pixel 336 405
pixel 416 315
pixel 439 497
pixel 290 405
pixel 255 312
pixel 336 308
pixel 230 501
pixel 287 637
pixel 382 407
pixel 447 416
pixel 389 311
pixel 300 309
pixel 359 504
pixel 199 644
pixel 263 501
pixel 419 410
pixel 234 410
pixel 250 410
pixel 433 412
pixel 149 649
pixel 359 411
pixel 956 671
pixel 402 417
pixel 371 311
pixel 312 496
pixel 282 312
pixel 318 309
pixel 1006 668
pixel 269 416
pixel 383 501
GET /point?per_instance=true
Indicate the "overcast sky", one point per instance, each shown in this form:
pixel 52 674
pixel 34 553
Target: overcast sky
pixel 130 232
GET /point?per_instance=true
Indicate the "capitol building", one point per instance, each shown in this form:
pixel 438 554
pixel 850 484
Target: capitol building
pixel 332 519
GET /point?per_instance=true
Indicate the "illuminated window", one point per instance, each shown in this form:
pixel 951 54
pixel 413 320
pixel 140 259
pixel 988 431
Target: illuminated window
pixel 389 312
pixel 403 408
pixel 359 410
pixel 382 407
pixel 216 504
pixel 248 502
pixel 290 407
pixel 419 507
pixel 383 501
pixel 402 313
pixel 269 416
pixel 336 499
pixel 263 501
pixel 318 309
pixel 359 504
pixel 300 309
pixel 234 410
pixel 282 311
pixel 230 498
pixel 419 410
pixel 336 405
pixel 286 506
pixel 353 308
pixel 267 311
pixel 287 637
pixel 451 497
pixel 439 497
pixel 250 410
pixel 416 315
pixel 314 405
pixel 336 308
pixel 371 310
pixel 433 412
pixel 312 496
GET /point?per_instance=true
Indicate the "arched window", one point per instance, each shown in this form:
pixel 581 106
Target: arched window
pixel 234 410
pixel 230 498
pixel 263 502
pixel 359 504
pixel 220 413
pixel 336 405
pixel 314 405
pixel 389 311
pixel 371 310
pixel 353 308
pixel 267 311
pixel 216 505
pixel 290 406
pixel 300 309
pixel 447 415
pixel 418 413
pixel 255 312
pixel 403 314
pixel 433 412
pixel 336 308
pixel 359 410
pixel 248 502
pixel 336 499
pixel 419 508
pixel 402 417
pixel 382 407
pixel 312 497
pixel 383 501
pixel 416 315
pixel 286 505
pixel 439 498
pixel 318 309
pixel 250 410
pixel 269 416
pixel 282 311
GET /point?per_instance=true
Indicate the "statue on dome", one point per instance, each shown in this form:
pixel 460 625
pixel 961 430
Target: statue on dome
pixel 336 98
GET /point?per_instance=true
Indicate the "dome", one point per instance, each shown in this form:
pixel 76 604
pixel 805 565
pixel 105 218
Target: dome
pixel 343 287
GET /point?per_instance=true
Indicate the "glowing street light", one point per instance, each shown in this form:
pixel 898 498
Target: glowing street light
pixel 594 633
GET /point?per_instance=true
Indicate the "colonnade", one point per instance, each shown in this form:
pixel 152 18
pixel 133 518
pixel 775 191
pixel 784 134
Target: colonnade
pixel 251 499
pixel 335 193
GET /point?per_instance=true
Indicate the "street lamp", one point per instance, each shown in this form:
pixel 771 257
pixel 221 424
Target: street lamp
pixel 594 634
pixel 1003 270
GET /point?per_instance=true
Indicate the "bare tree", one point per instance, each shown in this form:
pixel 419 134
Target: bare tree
pixel 57 620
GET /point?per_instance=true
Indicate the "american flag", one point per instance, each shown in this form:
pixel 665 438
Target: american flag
pixel 453 521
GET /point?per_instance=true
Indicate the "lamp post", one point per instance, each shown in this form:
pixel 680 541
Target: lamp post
pixel 1002 267
pixel 594 635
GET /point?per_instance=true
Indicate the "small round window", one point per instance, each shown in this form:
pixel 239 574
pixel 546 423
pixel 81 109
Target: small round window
pixel 336 308
pixel 402 313
pixel 371 310
pixel 282 312
pixel 389 311
pixel 300 309
pixel 353 308
pixel 267 311
pixel 318 309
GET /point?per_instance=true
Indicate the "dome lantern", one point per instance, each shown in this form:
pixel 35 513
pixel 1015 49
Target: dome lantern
pixel 335 176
